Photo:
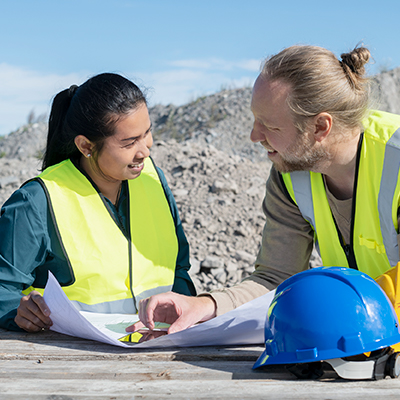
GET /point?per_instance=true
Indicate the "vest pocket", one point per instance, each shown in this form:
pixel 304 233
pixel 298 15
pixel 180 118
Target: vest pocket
pixel 372 245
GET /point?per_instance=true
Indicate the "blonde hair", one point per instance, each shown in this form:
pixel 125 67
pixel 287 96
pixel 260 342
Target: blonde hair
pixel 322 83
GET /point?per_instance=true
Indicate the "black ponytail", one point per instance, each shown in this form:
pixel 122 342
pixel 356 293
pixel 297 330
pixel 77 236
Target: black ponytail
pixel 92 110
pixel 59 147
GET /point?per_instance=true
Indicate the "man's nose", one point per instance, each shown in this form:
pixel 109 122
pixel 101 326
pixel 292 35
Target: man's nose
pixel 256 136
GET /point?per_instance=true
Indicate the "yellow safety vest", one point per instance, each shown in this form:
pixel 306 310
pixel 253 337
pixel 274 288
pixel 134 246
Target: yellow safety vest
pixel 373 245
pixel 112 272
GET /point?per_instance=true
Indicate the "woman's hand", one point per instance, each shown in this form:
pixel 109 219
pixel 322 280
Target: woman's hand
pixel 178 310
pixel 33 313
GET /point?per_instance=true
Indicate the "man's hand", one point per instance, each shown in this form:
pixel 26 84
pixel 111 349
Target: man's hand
pixel 33 313
pixel 175 309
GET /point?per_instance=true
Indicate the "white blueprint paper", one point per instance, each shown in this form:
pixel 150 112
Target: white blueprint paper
pixel 244 325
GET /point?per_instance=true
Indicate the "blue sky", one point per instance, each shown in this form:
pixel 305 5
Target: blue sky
pixel 178 50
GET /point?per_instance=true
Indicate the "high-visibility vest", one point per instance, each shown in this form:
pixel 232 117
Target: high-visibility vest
pixel 373 245
pixel 112 272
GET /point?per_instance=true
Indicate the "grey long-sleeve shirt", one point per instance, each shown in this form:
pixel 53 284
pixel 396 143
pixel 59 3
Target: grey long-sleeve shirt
pixel 286 246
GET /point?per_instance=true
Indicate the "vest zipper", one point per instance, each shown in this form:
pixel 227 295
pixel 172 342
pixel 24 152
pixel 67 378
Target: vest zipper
pixel 128 202
pixel 349 248
pixel 351 259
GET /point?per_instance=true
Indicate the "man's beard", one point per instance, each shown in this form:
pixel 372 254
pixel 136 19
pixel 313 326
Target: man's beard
pixel 300 156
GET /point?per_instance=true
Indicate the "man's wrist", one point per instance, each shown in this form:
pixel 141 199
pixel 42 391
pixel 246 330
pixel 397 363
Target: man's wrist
pixel 209 305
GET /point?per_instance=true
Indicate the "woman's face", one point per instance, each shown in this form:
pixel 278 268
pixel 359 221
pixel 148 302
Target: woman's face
pixel 123 153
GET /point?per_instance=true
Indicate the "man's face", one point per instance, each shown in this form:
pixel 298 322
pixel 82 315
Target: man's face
pixel 289 149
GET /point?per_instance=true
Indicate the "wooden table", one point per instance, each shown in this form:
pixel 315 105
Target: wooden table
pixel 52 366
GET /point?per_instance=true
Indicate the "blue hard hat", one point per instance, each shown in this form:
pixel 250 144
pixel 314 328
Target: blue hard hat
pixel 327 313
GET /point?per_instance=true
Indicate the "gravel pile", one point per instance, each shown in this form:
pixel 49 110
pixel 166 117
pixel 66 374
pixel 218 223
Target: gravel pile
pixel 215 173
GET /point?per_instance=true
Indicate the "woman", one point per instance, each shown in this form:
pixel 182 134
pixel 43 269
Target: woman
pixel 100 216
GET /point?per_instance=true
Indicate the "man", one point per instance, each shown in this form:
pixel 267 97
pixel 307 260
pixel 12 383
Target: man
pixel 333 184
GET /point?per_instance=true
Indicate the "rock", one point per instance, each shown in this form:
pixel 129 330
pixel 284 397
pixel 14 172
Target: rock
pixel 217 271
pixel 195 266
pixel 220 187
pixel 205 278
pixel 242 255
pixel 211 262
pixel 231 266
pixel 8 180
pixel 221 277
pixel 180 192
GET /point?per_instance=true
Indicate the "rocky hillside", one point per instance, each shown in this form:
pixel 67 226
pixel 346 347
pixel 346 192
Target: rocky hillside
pixel 387 91
pixel 216 174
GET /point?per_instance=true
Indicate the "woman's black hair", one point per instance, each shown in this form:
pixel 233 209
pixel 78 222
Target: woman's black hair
pixel 92 110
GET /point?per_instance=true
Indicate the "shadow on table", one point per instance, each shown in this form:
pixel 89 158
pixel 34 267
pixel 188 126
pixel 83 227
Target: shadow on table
pixel 234 360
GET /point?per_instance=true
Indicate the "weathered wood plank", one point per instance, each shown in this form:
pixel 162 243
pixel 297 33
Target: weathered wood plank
pixel 52 345
pixel 58 367
pixel 134 371
pixel 15 350
pixel 213 389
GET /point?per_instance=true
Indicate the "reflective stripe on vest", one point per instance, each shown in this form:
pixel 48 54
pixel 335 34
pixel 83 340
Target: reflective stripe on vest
pixel 374 237
pixel 109 269
pixel 389 191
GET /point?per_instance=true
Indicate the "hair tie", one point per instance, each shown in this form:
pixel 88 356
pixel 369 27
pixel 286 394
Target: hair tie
pixel 72 89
